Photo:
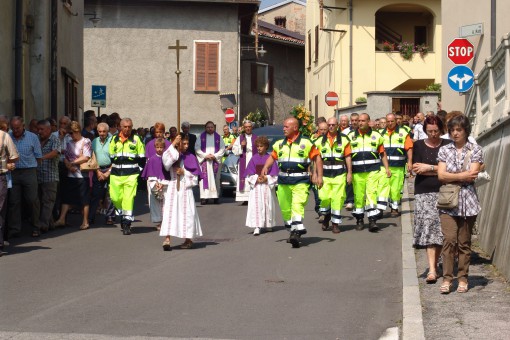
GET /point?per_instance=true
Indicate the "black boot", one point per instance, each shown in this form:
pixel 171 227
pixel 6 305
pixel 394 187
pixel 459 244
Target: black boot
pixel 359 224
pixel 325 222
pixel 372 227
pixel 294 239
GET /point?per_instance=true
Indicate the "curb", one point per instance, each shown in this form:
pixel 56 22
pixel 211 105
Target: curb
pixel 412 318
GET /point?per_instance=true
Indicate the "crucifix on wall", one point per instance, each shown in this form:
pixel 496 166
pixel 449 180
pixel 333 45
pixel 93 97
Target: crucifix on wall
pixel 177 48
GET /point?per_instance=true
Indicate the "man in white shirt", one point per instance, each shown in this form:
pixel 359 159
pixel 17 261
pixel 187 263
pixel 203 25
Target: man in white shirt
pixel 418 132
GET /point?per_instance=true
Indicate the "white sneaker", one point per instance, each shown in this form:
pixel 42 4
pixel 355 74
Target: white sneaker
pixel 256 232
pixel 349 206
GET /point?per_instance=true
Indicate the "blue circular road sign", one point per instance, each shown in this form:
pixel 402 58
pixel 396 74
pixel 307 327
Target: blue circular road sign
pixel 461 78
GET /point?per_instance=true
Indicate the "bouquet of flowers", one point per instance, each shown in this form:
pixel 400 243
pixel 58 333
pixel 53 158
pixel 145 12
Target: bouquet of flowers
pixel 305 119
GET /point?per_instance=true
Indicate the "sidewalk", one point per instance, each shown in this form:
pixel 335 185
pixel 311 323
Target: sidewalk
pixel 482 313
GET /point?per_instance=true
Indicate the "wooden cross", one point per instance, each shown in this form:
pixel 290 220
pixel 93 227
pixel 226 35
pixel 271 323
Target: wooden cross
pixel 177 48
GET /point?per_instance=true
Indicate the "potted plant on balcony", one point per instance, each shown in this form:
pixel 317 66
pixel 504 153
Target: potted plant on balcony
pixel 388 47
pixel 406 50
pixel 360 100
pixel 423 49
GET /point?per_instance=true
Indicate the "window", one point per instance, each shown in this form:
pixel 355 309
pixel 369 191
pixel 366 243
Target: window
pixel 316 107
pixel 309 49
pixel 207 64
pixel 261 78
pixel 316 43
pixel 420 35
pixel 70 93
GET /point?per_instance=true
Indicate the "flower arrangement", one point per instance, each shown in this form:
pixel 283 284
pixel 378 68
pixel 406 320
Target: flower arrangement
pixel 388 47
pixel 257 117
pixel 406 50
pixel 422 49
pixel 305 119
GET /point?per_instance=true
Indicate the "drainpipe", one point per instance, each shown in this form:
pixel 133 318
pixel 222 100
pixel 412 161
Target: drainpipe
pixel 493 26
pixel 350 52
pixel 18 61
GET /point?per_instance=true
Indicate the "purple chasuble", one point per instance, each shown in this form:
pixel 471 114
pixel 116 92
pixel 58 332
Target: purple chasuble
pixel 154 168
pixel 203 146
pixel 242 159
pixel 191 164
pixel 150 148
pixel 257 160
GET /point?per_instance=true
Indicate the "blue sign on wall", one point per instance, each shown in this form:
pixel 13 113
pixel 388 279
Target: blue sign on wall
pixel 98 96
pixel 461 78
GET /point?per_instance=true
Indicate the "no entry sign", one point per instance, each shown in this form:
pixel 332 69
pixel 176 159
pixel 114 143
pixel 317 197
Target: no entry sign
pixel 460 51
pixel 331 98
pixel 230 115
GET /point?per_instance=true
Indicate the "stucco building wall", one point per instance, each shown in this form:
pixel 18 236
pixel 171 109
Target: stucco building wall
pixel 128 52
pixel 371 70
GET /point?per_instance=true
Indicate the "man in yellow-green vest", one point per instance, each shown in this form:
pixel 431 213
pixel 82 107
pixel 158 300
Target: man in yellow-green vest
pixel 335 151
pixel 127 153
pixel 228 139
pixel 399 150
pixel 367 148
pixel 294 154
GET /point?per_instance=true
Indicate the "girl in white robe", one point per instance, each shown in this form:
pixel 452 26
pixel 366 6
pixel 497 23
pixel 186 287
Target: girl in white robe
pixel 180 218
pixel 261 206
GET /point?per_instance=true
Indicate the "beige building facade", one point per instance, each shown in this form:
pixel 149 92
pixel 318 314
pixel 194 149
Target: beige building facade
pixel 488 106
pixel 345 53
pixel 41 64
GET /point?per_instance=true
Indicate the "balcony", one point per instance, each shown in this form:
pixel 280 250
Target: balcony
pixel 392 72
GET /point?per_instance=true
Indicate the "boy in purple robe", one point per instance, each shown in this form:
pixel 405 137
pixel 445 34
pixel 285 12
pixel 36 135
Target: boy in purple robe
pixel 261 206
pixel 157 180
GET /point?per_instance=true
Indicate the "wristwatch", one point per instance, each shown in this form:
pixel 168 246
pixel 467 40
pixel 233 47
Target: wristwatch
pixel 431 168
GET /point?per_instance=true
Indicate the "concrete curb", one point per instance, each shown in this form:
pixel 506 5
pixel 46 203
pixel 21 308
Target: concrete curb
pixel 412 318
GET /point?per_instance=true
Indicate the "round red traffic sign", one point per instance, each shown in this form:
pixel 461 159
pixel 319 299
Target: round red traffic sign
pixel 230 115
pixel 460 51
pixel 331 98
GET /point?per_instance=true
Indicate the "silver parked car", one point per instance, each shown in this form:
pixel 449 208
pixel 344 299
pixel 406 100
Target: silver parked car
pixel 228 175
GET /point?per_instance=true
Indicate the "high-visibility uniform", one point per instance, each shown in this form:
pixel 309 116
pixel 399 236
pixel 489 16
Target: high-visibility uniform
pixel 366 166
pixel 332 194
pixel 294 157
pixel 227 140
pixel 396 144
pixel 127 158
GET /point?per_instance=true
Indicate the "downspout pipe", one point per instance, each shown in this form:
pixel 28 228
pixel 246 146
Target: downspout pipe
pixel 350 53
pixel 18 61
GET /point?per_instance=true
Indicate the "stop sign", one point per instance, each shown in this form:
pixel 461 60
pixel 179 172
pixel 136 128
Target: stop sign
pixel 460 51
pixel 331 98
pixel 230 115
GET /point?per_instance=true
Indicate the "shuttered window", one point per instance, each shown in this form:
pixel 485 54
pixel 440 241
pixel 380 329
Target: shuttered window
pixel 316 43
pixel 207 63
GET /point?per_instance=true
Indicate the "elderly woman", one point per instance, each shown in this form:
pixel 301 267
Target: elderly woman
pixel 459 163
pixel 75 190
pixel 427 227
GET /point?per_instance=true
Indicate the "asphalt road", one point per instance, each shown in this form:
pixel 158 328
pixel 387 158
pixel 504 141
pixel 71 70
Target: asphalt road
pixel 232 285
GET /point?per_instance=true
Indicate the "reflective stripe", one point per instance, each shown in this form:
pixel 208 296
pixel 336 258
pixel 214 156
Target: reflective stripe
pixel 358 211
pixel 368 161
pixel 293 159
pixel 125 166
pixel 364 149
pixel 332 166
pixel 124 154
pixel 396 158
pixel 296 174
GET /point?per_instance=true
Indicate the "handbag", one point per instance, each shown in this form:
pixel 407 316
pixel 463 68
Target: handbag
pixel 91 164
pixel 449 193
pixel 483 178
pixel 448 196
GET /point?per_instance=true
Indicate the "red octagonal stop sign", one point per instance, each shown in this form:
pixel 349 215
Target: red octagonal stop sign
pixel 460 51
